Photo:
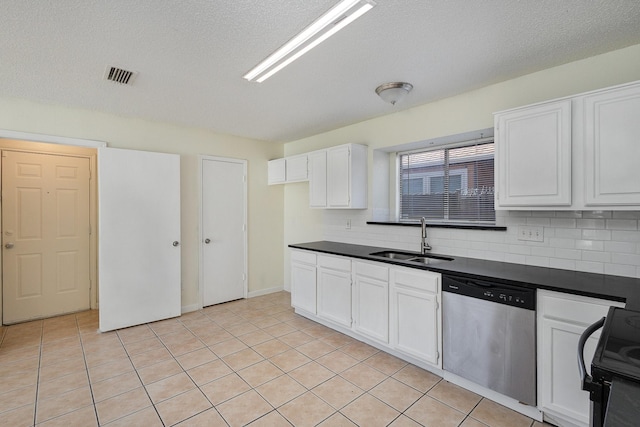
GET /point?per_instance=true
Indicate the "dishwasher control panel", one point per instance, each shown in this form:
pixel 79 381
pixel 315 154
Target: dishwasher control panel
pixel 515 296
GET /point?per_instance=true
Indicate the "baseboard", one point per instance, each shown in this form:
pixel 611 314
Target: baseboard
pixel 190 308
pixel 267 291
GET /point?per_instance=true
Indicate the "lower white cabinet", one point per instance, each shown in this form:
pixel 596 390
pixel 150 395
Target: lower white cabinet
pixel 394 308
pixel 562 318
pixel 371 300
pixel 303 280
pixel 334 289
pixel 415 319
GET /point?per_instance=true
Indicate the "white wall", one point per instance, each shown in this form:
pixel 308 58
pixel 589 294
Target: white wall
pixel 566 238
pixel 265 203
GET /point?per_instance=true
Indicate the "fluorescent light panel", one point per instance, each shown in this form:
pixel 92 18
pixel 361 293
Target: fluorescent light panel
pixel 338 17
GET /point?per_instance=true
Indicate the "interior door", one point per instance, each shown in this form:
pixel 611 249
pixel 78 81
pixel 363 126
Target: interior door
pixel 45 223
pixel 139 229
pixel 224 241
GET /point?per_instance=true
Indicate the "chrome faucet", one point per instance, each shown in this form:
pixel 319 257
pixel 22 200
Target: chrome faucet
pixel 424 246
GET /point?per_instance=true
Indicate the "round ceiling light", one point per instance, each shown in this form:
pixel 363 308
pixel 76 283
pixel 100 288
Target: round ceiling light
pixel 394 91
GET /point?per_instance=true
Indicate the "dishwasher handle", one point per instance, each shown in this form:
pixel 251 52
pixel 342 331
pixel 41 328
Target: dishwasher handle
pixel 586 381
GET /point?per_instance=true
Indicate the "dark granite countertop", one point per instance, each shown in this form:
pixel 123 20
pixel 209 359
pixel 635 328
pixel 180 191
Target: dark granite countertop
pixel 617 288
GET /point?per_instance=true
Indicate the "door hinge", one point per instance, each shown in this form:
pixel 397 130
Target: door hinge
pixel 244 277
pixel 244 227
pixel 89 230
pixel 244 178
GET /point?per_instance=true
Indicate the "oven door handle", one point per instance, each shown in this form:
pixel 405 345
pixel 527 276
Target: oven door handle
pixel 586 380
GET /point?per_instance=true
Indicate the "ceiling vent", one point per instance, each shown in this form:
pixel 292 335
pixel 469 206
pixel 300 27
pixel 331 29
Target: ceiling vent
pixel 120 75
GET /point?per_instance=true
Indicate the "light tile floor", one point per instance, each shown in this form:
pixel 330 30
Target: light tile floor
pixel 248 362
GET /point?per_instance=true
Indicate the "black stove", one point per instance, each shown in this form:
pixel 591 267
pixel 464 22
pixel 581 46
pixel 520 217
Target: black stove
pixel 614 384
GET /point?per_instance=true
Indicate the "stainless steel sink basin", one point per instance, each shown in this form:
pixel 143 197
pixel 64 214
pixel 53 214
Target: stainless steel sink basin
pixel 394 255
pixel 429 260
pixel 402 256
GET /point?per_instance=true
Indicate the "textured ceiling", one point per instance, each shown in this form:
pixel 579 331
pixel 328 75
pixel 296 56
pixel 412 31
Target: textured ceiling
pixel 191 55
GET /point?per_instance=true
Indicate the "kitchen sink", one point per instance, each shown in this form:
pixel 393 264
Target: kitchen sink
pixel 394 255
pixel 402 256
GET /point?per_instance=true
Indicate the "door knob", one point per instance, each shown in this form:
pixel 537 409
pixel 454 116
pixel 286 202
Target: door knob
pixel 176 243
pixel 207 241
pixel 8 245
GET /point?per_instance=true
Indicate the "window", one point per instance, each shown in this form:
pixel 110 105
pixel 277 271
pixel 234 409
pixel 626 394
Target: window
pixel 449 185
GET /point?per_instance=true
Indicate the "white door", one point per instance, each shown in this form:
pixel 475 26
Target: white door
pixel 224 230
pixel 45 222
pixel 139 234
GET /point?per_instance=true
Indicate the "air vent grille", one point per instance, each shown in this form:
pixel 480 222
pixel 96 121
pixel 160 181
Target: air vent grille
pixel 120 75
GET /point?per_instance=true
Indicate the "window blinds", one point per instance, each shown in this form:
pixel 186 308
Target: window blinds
pixel 451 185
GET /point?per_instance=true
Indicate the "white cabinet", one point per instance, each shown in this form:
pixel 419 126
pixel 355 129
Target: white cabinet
pixel 561 319
pixel 371 300
pixel 303 280
pixel 334 289
pixel 318 179
pixel 612 136
pixel 575 153
pixel 338 177
pixel 533 155
pixel 276 171
pixel 288 169
pixel 415 319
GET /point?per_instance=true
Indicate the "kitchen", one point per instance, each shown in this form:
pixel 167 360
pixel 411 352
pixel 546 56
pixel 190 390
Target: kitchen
pixel 280 214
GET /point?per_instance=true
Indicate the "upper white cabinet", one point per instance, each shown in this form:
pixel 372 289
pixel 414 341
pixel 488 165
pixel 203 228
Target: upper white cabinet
pixel 318 179
pixel 338 177
pixel 276 171
pixel 575 153
pixel 533 155
pixel 562 318
pixel 288 169
pixel 612 138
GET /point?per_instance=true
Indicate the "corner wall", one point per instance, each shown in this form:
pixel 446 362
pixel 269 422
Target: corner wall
pixel 468 112
pixel 265 203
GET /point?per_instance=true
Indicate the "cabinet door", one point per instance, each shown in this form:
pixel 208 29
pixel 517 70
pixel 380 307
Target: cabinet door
pixel 415 316
pixel 371 301
pixel 533 156
pixel 297 168
pixel 338 176
pixel 612 136
pixel 276 172
pixel 334 296
pixel 561 389
pixel 318 179
pixel 561 320
pixel 303 286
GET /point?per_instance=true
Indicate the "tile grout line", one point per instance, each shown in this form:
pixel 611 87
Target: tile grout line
pixel 35 404
pixel 86 366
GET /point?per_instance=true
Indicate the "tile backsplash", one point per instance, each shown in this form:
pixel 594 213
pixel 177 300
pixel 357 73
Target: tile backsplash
pixel 593 241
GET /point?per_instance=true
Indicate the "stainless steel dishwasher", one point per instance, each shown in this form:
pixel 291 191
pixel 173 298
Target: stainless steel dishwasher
pixel 489 335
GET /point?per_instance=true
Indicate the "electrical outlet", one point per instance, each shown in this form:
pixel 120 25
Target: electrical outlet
pixel 348 226
pixel 531 233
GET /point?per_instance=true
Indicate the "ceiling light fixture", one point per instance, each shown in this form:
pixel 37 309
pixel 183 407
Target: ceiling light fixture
pixel 338 17
pixel 394 91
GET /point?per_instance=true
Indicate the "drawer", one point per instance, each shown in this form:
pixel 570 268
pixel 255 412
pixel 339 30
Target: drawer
pixel 374 271
pixel 303 257
pixel 415 279
pixel 334 262
pixel 575 308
